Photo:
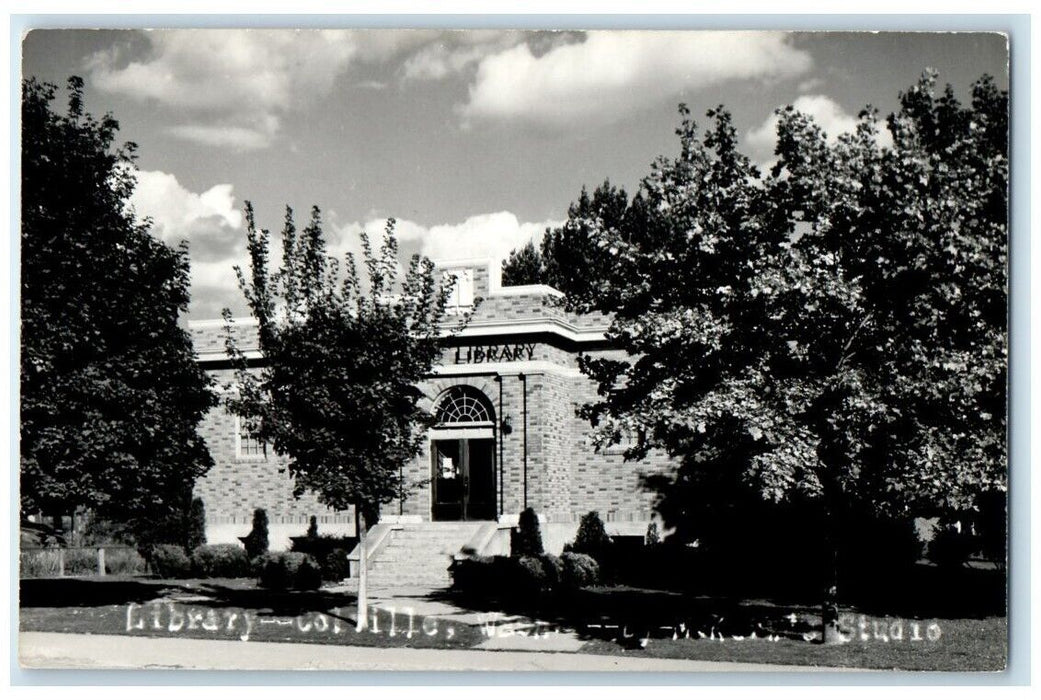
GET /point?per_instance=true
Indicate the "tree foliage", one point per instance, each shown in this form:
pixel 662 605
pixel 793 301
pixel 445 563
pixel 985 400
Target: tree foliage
pixel 343 354
pixel 569 258
pixel 111 394
pixel 523 266
pixel 832 330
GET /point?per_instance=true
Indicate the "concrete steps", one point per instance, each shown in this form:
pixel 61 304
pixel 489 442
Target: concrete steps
pixel 418 554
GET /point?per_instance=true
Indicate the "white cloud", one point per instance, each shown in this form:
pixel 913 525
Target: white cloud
pixel 826 113
pixel 210 222
pixel 456 52
pixel 213 226
pixel 491 236
pixel 482 236
pixel 234 85
pixel 613 74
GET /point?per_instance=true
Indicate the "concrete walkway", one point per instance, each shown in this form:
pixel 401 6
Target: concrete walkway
pixel 49 650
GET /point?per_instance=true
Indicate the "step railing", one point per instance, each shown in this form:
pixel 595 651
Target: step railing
pixel 376 540
pixel 489 538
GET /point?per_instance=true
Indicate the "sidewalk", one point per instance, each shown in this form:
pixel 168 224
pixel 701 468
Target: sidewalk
pixel 48 650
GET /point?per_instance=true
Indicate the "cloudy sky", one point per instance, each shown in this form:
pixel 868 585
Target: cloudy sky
pixel 474 141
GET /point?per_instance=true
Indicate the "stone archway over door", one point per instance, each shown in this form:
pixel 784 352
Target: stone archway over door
pixel 463 456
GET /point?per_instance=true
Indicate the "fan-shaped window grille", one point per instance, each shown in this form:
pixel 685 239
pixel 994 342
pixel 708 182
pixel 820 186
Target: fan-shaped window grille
pixel 463 404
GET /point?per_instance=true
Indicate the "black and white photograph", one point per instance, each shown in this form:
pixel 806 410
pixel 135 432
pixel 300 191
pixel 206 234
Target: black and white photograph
pixel 513 350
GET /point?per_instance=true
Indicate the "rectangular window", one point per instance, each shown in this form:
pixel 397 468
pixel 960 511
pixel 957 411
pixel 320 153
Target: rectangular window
pixel 461 298
pixel 247 444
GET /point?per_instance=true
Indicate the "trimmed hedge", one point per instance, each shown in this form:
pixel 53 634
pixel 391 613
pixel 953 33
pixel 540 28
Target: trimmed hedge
pixel 169 561
pixel 283 570
pixel 554 568
pixel 579 570
pixel 220 561
pixel 524 577
pixel 336 566
pixel 480 574
pixel 329 551
pixel 531 576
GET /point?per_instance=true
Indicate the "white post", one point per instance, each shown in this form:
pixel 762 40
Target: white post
pixel 101 561
pixel 363 593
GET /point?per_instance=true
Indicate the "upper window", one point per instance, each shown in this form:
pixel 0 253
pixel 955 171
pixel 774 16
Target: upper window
pixel 247 444
pixel 464 404
pixel 461 297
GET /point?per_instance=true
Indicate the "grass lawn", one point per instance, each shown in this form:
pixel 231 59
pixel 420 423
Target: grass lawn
pixel 618 621
pixel 224 609
pixel 964 645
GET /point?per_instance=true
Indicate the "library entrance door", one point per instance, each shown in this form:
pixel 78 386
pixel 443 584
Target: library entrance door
pixel 463 479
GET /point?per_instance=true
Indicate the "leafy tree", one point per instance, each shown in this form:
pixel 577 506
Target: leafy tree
pixel 570 257
pixel 343 355
pixel 834 330
pixel 111 394
pixel 523 266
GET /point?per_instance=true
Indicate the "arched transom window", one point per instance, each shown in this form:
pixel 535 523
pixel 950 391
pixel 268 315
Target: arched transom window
pixel 463 404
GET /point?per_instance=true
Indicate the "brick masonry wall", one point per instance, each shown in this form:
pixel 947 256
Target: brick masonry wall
pixel 565 477
pixel 236 485
pixel 604 481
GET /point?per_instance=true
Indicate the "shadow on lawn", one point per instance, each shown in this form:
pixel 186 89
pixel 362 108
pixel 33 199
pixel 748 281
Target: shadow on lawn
pixel 919 592
pixel 89 592
pixel 222 593
pixel 633 613
pixel 288 603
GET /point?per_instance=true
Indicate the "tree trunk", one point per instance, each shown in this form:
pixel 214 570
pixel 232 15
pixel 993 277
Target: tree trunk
pixel 371 515
pixel 832 527
pixel 361 529
pixel 830 632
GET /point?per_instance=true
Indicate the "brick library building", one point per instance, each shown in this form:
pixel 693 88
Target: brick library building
pixel 506 436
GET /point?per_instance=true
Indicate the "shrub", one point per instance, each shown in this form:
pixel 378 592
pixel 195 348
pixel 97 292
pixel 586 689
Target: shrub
pixel 124 560
pixel 653 536
pixel 579 570
pixel 950 547
pixel 330 551
pixel 470 573
pixel 36 563
pixel 312 527
pixel 220 561
pixel 484 575
pixel 289 570
pixel 256 542
pixel 553 567
pixel 195 535
pixel 336 566
pixel 591 537
pixel 169 561
pixel 81 561
pixel 531 578
pixel 526 540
